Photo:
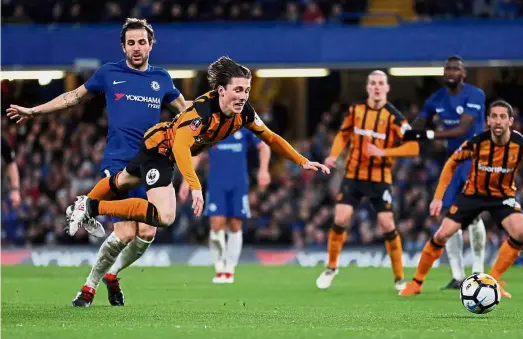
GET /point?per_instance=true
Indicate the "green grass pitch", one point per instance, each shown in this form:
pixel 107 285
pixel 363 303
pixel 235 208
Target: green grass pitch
pixel 264 302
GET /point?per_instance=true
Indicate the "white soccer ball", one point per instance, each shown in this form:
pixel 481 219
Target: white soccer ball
pixel 480 293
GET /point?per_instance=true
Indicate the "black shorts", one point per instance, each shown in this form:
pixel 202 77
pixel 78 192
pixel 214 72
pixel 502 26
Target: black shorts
pixel 352 191
pixel 467 207
pixel 155 170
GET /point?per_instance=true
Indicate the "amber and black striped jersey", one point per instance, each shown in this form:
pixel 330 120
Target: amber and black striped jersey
pixel 494 167
pixel 382 127
pixel 202 125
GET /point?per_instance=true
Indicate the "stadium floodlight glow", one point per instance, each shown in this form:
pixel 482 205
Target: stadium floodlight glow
pixel 416 71
pixel 181 73
pixel 43 77
pixel 292 72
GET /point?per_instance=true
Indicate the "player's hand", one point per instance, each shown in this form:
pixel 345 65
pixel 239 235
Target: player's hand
pixel 197 202
pixel 15 198
pixel 435 207
pixel 315 166
pixel 19 113
pixel 330 162
pixel 183 192
pixel 375 151
pixel 264 179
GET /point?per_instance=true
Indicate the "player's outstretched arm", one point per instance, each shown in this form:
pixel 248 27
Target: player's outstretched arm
pixel 183 192
pixel 407 149
pixel 66 100
pixel 282 147
pixel 341 140
pixel 465 151
pixel 264 176
pixel 459 131
pixel 179 104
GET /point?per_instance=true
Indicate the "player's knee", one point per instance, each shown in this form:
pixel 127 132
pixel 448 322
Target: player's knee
pixel 386 222
pixel 126 180
pixel 342 219
pixel 146 232
pixel 218 223
pixel 125 231
pixel 167 218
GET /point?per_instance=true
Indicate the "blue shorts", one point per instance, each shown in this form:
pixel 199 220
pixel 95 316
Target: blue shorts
pixel 138 192
pixel 228 202
pixel 456 184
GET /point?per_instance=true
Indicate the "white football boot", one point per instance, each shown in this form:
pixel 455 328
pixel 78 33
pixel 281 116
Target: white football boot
pixel 325 279
pixel 80 218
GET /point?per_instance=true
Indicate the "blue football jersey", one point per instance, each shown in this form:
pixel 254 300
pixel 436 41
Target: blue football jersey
pixel 134 99
pixel 228 159
pixel 470 100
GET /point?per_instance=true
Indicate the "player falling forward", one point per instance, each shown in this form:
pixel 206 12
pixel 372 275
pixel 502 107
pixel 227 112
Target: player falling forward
pixel 134 92
pixel 228 197
pixel 211 118
pixel 383 125
pixel 496 156
pixel 461 108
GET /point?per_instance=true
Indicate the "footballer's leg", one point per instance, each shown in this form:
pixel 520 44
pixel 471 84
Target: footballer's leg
pixel 454 245
pixel 83 213
pixel 110 249
pixel 512 221
pixel 347 199
pixel 393 245
pixel 158 210
pixel 131 253
pixel 234 247
pixel 107 254
pixel 478 239
pixel 217 246
pixel 431 252
pixel 216 210
pixel 337 235
pixel 238 210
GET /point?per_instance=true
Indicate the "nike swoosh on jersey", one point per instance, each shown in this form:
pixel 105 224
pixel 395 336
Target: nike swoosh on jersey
pixel 118 82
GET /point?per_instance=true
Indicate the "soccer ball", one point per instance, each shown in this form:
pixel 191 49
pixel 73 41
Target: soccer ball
pixel 480 293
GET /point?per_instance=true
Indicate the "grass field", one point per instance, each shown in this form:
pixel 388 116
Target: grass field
pixel 265 302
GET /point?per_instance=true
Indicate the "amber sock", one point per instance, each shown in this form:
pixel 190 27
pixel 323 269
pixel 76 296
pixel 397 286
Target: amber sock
pixel 507 255
pixel 431 252
pixel 337 236
pixel 135 209
pixel 395 251
pixel 106 189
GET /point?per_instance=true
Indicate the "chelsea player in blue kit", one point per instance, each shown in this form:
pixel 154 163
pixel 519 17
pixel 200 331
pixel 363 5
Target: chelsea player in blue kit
pixel 134 93
pixel 228 197
pixel 461 109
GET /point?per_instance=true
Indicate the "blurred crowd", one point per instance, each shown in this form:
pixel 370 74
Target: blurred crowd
pixel 308 11
pixel 58 157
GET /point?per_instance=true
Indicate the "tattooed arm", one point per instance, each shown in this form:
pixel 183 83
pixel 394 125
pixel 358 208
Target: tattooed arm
pixel 66 100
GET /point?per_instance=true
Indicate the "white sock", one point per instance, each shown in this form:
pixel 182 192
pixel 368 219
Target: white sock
pixel 454 249
pixel 109 251
pixel 478 238
pixel 217 247
pixel 132 252
pixel 234 249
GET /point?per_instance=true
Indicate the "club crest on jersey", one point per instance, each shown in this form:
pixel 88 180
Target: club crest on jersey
pixel 237 135
pixel 155 85
pixel 195 123
pixel 459 110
